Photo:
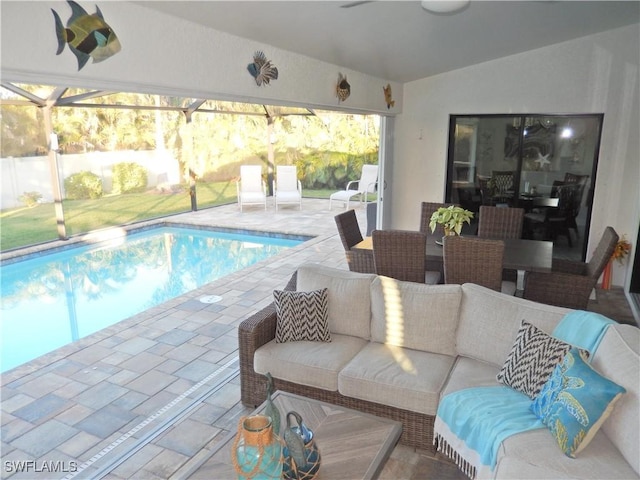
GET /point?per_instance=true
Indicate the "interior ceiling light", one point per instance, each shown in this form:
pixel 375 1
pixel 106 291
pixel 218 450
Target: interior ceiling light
pixel 444 6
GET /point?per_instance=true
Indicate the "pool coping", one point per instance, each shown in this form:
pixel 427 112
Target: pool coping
pixel 110 233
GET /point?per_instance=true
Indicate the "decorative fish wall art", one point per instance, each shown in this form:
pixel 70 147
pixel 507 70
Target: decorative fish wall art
pixel 388 96
pixel 88 36
pixel 262 69
pixel 343 89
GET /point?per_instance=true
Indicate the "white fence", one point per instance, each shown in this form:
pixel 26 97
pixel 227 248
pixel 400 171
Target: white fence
pixel 32 174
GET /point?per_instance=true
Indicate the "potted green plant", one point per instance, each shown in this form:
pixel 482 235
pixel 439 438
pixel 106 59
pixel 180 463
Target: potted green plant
pixel 451 218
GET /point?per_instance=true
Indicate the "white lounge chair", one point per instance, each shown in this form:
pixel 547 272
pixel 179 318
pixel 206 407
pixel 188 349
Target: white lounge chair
pixel 251 188
pixel 286 187
pixel 367 184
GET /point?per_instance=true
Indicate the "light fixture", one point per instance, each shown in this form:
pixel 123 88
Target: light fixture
pixel 567 132
pixel 444 6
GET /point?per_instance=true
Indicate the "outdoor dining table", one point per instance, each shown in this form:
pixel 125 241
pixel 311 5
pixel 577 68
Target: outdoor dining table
pixel 519 254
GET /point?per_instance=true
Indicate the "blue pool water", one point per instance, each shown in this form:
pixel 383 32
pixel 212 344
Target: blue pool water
pixel 51 300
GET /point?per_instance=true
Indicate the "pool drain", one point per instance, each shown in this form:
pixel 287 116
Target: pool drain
pixel 210 299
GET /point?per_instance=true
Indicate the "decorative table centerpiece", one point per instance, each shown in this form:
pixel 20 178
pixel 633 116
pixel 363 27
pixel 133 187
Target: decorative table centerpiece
pixel 451 218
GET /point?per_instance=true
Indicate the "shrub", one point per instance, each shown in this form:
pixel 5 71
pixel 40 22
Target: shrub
pixel 30 199
pixel 82 186
pixel 129 177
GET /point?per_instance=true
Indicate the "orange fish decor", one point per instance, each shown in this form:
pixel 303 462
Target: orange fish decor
pixel 262 69
pixel 343 89
pixel 388 96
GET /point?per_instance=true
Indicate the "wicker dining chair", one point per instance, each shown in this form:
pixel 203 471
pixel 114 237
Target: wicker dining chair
pixel 350 234
pixel 500 222
pixel 475 260
pixel 426 211
pixel 570 283
pixel 581 182
pixel 401 254
pixel 503 181
pixel 555 221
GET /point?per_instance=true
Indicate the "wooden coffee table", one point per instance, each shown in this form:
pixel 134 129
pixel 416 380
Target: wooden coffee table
pixel 352 444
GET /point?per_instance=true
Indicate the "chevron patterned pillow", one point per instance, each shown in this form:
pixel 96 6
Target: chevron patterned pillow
pixel 302 316
pixel 531 360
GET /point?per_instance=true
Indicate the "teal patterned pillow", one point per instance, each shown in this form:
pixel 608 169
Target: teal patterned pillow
pixel 574 402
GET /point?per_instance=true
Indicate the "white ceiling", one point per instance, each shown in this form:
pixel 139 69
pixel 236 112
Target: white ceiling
pixel 398 40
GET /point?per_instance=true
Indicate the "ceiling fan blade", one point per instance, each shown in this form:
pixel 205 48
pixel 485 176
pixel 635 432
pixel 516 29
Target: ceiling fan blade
pixel 355 4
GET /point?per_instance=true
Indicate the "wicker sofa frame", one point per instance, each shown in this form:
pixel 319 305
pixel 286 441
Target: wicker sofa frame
pixel 260 328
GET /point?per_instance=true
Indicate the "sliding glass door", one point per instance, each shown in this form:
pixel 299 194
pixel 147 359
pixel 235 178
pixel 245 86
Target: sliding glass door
pixel 545 164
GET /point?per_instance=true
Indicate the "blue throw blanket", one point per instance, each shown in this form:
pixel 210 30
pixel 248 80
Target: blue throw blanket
pixel 582 329
pixel 472 423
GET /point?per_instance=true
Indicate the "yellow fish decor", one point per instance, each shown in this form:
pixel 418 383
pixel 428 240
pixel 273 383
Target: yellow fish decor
pixel 388 96
pixel 88 36
pixel 343 89
pixel 262 69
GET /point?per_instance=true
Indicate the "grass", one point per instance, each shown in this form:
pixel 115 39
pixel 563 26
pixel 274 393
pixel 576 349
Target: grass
pixel 21 227
pixel 26 226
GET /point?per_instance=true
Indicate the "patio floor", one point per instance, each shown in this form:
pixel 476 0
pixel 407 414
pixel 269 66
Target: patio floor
pixel 149 396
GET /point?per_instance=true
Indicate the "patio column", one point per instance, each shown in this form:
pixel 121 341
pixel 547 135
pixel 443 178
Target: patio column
pixel 55 173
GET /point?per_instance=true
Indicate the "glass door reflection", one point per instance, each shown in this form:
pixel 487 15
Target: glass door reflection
pixel 543 163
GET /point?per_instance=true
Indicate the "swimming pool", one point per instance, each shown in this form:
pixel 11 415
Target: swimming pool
pixel 50 300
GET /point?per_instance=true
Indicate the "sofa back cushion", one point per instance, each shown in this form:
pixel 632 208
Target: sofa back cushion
pixel 349 297
pixel 415 315
pixel 618 359
pixel 490 321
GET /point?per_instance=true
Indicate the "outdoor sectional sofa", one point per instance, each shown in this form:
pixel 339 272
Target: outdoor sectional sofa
pixel 398 349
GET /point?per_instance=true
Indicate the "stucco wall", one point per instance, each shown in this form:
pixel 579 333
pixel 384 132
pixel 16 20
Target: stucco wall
pixel 162 54
pixel 594 74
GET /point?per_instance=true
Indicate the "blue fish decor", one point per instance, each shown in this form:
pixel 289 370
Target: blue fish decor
pixel 343 89
pixel 88 36
pixel 262 69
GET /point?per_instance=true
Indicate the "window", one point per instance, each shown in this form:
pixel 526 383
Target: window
pixel 523 160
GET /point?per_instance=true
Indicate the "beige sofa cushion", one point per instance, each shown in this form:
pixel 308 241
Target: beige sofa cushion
pixel 618 359
pixel 314 364
pixel 536 455
pixel 469 373
pixel 349 297
pixel 414 315
pixel 396 376
pixel 489 322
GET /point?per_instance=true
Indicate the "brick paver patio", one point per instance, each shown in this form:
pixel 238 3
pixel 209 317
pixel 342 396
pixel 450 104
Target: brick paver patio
pixel 111 404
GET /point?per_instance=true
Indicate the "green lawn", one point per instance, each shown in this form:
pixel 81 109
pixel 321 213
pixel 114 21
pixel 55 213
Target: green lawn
pixel 27 226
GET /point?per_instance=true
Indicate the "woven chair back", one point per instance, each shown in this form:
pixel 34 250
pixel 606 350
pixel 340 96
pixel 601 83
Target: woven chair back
pixel 427 209
pixel 603 253
pixel 400 254
pixel 348 228
pixel 502 181
pixel 473 260
pixel 500 222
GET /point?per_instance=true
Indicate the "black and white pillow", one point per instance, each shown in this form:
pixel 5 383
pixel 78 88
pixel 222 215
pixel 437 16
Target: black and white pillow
pixel 531 360
pixel 302 316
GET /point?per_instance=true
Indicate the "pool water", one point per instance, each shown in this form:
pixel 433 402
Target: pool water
pixel 51 300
